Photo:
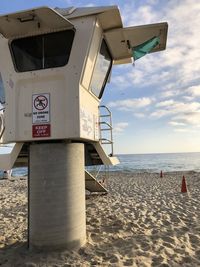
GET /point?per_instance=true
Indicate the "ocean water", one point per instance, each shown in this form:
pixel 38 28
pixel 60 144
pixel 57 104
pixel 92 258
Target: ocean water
pixel 146 162
pixel 166 162
pixel 17 172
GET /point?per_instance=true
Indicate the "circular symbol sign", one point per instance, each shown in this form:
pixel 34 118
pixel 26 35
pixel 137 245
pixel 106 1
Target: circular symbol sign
pixel 40 102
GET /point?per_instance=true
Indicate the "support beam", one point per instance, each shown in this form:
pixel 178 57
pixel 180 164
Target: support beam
pixel 56 196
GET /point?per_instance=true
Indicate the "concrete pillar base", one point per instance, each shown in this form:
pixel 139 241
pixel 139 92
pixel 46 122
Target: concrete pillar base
pixel 56 196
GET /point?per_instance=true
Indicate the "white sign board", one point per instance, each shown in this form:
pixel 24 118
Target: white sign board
pixel 41 108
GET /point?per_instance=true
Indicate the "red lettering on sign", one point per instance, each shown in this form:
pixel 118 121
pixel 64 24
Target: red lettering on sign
pixel 41 130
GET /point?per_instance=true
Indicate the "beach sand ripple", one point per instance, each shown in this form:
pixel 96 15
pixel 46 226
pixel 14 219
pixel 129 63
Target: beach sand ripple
pixel 144 221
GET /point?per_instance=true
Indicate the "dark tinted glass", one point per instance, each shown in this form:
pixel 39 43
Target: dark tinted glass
pixel 57 48
pixel 2 92
pixel 101 71
pixel 42 51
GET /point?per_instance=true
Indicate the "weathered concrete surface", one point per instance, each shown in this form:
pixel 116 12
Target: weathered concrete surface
pixel 57 196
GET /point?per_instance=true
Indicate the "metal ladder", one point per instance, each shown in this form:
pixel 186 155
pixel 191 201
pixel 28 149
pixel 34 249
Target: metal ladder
pixel 106 138
pixel 105 125
pixel 2 125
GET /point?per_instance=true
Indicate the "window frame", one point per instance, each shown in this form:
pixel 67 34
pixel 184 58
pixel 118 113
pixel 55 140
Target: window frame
pixel 4 93
pixel 108 71
pixel 35 35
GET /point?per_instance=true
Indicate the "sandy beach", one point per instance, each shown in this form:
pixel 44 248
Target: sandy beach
pixel 144 221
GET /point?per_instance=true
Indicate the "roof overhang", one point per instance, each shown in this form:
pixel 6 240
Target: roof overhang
pixel 120 41
pixel 108 16
pixel 31 22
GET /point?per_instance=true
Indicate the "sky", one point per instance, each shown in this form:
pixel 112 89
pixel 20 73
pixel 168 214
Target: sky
pixel 156 103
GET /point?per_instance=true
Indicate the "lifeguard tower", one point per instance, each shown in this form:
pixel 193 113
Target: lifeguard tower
pixel 54 66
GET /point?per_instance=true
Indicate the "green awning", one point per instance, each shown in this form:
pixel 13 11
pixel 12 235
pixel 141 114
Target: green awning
pixel 143 49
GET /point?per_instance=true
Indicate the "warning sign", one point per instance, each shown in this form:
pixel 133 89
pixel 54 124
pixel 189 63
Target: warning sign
pixel 41 108
pixel 41 130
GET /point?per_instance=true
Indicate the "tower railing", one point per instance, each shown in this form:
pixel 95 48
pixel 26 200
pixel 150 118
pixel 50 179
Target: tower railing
pixel 105 126
pixel 2 125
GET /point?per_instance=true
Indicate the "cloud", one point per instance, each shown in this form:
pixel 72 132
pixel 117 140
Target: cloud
pixel 194 90
pixel 179 65
pixel 191 118
pixel 131 104
pixel 165 103
pixel 147 72
pixel 188 98
pixel 160 113
pixel 168 92
pixel 120 81
pixel 144 15
pixel 175 123
pixel 139 114
pixel 170 79
pixel 120 127
pixel 185 130
pixel 68 2
pixel 90 5
pixel 175 107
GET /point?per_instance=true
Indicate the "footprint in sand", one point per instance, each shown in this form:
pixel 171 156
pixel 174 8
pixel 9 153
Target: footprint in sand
pixel 156 261
pixel 96 238
pixel 194 239
pixel 128 262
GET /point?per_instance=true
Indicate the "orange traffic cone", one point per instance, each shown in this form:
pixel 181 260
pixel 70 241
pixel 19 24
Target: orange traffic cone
pixel 184 186
pixel 161 174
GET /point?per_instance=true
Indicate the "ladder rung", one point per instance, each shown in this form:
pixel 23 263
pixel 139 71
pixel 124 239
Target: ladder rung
pixel 103 122
pixel 103 116
pixel 109 128
pixel 106 141
pixel 106 120
pixel 94 155
pixel 106 129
